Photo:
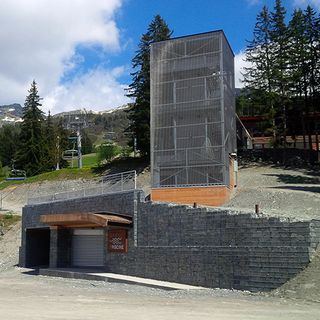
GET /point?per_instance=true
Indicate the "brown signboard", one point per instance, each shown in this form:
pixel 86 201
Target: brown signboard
pixel 118 240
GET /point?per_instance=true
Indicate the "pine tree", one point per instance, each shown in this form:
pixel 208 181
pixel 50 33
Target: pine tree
pixel 304 34
pixel 258 77
pixel 62 142
pixel 312 33
pixel 285 68
pixel 86 143
pixel 51 143
pixel 280 57
pixel 31 153
pixel 298 70
pixel 297 53
pixel 9 135
pixel 139 89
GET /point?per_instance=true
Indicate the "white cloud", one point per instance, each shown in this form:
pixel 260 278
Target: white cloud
pixel 300 3
pixel 239 64
pixel 39 38
pixel 96 90
pixel 253 2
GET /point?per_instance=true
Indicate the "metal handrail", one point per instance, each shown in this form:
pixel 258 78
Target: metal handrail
pixel 123 181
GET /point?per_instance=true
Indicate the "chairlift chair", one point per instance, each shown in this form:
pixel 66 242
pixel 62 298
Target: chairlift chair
pixel 69 154
pixel 16 174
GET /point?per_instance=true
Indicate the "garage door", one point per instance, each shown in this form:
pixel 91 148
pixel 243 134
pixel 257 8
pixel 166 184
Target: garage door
pixel 88 248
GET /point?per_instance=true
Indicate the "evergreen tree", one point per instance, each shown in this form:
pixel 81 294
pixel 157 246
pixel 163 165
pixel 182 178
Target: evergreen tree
pixel 297 53
pixel 304 32
pixel 86 143
pixel 280 57
pixel 139 89
pixel 312 34
pixel 258 77
pixel 298 71
pixel 9 135
pixel 51 143
pixel 285 69
pixel 31 153
pixel 62 142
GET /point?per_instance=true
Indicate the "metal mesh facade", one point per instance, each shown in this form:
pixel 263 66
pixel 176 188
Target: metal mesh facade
pixel 192 111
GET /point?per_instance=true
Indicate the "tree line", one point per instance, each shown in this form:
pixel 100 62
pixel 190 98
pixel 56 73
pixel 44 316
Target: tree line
pixel 36 144
pixel 282 80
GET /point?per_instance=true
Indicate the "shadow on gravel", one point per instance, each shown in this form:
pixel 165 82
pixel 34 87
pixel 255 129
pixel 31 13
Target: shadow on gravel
pixel 123 164
pixel 296 188
pixel 312 170
pixel 289 178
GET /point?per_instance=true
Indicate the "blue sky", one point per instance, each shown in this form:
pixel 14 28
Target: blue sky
pixel 80 51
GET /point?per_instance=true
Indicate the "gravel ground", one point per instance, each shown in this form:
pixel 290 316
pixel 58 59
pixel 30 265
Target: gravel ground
pixel 278 191
pixel 25 296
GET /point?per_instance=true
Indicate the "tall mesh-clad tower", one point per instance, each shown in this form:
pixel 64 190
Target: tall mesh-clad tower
pixel 193 127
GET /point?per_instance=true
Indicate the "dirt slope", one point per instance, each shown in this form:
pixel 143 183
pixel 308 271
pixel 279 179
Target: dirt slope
pixel 9 247
pixel 306 285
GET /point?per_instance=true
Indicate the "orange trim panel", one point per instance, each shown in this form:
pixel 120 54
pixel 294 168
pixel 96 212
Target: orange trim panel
pixel 209 196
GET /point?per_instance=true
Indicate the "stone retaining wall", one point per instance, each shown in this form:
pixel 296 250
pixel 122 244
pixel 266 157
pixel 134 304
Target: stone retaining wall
pixel 216 248
pixel 197 246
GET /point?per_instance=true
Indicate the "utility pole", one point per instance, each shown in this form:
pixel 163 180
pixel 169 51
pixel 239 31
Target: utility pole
pixel 58 152
pixel 79 148
pixel 78 122
pixel 134 146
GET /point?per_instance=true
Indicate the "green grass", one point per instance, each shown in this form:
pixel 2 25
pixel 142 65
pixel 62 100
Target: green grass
pixel 88 161
pixel 90 170
pixel 62 174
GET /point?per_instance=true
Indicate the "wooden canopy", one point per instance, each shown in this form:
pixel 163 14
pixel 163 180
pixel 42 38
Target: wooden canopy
pixel 81 220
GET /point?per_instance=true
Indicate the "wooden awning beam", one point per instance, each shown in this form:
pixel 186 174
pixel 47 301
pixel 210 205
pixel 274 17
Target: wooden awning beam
pixel 80 219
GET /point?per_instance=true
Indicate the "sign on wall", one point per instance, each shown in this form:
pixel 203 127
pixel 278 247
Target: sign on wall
pixel 118 240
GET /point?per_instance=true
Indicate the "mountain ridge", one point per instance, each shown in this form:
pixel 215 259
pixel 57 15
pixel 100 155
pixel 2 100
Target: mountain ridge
pixel 10 113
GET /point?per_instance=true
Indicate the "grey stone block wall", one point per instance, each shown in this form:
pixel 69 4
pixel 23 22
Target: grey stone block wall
pixel 198 246
pixel 216 248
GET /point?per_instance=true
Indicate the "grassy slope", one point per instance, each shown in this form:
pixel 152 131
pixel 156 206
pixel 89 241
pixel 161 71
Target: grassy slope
pixel 89 170
pixel 66 173
pixel 88 161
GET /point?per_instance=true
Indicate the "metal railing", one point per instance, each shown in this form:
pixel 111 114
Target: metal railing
pixel 111 183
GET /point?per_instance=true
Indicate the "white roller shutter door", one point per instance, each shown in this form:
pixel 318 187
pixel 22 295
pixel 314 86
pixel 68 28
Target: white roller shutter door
pixel 88 248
